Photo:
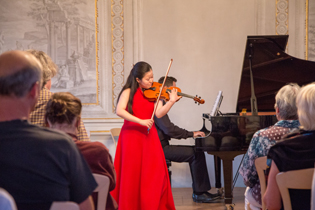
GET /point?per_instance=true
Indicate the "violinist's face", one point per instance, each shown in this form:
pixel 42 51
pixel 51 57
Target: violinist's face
pixel 147 81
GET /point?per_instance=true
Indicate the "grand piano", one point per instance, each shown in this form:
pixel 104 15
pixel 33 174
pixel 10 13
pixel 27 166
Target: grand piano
pixel 266 68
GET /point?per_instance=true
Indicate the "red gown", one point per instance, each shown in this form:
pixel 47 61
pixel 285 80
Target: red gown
pixel 142 177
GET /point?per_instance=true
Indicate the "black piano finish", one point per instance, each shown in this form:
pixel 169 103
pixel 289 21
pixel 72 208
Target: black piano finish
pixel 229 138
pixel 272 68
pixel 225 128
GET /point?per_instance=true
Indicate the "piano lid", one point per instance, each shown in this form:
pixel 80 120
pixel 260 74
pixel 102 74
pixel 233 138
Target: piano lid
pixel 272 69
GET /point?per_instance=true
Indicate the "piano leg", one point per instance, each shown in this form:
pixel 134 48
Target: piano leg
pixel 217 169
pixel 228 176
pixel 227 159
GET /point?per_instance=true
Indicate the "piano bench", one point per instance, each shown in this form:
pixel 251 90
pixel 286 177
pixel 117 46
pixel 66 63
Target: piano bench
pixel 168 164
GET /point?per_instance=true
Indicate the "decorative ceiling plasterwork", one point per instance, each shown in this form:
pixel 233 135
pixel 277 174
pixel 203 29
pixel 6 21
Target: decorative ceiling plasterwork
pixel 117 21
pixel 282 17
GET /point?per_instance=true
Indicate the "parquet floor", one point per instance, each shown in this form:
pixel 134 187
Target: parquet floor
pixel 183 200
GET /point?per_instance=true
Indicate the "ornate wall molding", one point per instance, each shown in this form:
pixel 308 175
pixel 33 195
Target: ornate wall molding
pixel 117 30
pixel 306 28
pixel 137 6
pixel 282 17
pixel 96 54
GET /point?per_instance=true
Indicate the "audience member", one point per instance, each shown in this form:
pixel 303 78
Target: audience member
pixel 49 71
pixel 38 165
pixel 296 151
pixel 63 113
pixel 286 113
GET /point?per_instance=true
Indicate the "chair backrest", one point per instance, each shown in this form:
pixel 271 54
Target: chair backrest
pixel 6 200
pixel 102 190
pixel 64 205
pixel 297 179
pixel 261 166
pixel 115 134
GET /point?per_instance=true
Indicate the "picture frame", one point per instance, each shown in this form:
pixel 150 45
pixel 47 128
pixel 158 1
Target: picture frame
pixel 25 25
pixel 310 30
pixel 66 31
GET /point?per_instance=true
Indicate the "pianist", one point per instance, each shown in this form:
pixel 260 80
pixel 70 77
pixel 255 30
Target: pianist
pixel 180 153
pixel 286 113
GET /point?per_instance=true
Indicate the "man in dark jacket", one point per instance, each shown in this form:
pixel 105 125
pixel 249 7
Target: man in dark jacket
pixel 180 153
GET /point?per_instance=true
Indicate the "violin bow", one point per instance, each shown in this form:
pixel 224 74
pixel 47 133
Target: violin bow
pixel 157 100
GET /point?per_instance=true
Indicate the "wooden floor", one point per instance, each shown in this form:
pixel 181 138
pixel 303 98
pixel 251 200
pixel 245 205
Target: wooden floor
pixel 183 200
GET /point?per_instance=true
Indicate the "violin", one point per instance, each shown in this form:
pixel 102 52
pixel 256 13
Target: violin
pixel 153 92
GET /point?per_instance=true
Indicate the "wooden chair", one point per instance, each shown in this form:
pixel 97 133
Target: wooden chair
pixel 64 205
pixel 313 194
pixel 6 200
pixel 102 190
pixel 115 132
pixel 297 179
pixel 261 166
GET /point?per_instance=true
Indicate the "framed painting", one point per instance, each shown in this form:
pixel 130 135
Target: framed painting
pixel 310 30
pixel 66 30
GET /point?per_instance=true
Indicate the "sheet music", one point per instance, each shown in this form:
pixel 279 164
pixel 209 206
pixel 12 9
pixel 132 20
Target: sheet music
pixel 216 105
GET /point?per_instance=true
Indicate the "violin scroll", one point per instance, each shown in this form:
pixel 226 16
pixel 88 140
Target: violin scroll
pixel 199 100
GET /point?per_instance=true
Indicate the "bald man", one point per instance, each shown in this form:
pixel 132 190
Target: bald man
pixel 37 165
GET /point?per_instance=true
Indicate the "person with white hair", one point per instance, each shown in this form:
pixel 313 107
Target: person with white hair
pixel 286 113
pixel 296 151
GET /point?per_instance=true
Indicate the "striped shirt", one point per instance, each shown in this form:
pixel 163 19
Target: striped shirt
pixel 38 115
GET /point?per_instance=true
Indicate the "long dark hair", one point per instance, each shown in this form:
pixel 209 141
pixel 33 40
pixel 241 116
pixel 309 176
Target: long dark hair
pixel 138 71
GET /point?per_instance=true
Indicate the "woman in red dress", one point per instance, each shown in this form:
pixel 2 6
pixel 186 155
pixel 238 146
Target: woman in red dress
pixel 142 177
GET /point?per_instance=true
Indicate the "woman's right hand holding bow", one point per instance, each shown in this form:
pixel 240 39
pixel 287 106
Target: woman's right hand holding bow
pixel 148 123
